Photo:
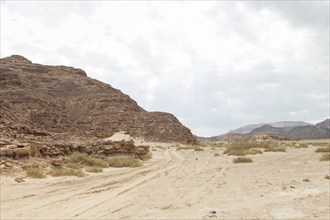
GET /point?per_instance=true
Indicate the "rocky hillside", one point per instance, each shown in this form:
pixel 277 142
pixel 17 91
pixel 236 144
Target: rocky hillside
pixel 249 128
pixel 42 100
pixel 324 124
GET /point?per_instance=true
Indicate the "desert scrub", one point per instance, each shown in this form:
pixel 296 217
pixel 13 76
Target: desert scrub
pixel 149 156
pixel 35 172
pixel 325 157
pixel 85 159
pixel 216 154
pixel 323 150
pixel 275 149
pixel 242 160
pixel 184 148
pixel 301 145
pixel 198 148
pixel 124 161
pixel 93 169
pixel 66 172
pixel 242 148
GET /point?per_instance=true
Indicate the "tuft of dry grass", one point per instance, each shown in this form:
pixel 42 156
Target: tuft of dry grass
pixel 242 160
pixel 85 159
pixel 149 156
pixel 184 148
pixel 93 169
pixel 323 150
pixel 275 149
pixel 124 161
pixel 198 148
pixel 325 157
pixel 216 154
pixel 66 172
pixel 35 172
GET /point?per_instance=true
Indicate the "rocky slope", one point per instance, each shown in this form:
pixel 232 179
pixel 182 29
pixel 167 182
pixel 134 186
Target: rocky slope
pixel 324 124
pixel 41 101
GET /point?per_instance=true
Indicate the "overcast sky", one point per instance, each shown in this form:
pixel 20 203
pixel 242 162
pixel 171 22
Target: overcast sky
pixel 215 65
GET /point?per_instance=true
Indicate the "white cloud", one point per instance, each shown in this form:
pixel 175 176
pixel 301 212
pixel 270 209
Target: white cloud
pixel 215 65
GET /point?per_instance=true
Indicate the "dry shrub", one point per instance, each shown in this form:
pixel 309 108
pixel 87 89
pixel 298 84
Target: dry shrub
pixel 67 172
pixel 85 159
pixel 184 148
pixel 275 149
pixel 216 154
pixel 124 161
pixel 35 172
pixel 198 148
pixel 94 169
pixel 323 150
pixel 325 157
pixel 301 145
pixel 242 148
pixel 242 160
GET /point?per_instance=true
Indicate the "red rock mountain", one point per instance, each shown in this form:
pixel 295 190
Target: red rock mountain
pixel 41 100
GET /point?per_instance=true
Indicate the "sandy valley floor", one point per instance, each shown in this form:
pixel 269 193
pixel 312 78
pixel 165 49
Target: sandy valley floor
pixel 181 184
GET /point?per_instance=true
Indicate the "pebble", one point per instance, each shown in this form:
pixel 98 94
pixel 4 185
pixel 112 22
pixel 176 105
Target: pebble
pixel 9 164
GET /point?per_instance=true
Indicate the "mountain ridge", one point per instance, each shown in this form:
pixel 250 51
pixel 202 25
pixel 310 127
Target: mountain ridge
pixel 38 98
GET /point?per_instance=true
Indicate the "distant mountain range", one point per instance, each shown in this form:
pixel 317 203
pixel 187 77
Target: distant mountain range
pixel 279 130
pixel 249 128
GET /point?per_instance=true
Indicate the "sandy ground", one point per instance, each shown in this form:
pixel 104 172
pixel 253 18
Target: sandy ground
pixel 181 184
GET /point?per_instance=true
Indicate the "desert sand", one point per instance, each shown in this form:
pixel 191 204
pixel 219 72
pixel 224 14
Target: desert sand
pixel 181 184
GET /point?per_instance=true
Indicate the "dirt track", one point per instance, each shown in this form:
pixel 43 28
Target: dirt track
pixel 181 184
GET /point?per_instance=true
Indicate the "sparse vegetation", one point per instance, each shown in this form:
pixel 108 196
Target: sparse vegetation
pixel 242 160
pixel 74 165
pixel 184 148
pixel 66 172
pixel 85 159
pixel 149 156
pixel 275 149
pixel 243 148
pixel 198 148
pixel 124 161
pixel 94 169
pixel 216 154
pixel 301 145
pixel 323 150
pixel 325 157
pixel 35 172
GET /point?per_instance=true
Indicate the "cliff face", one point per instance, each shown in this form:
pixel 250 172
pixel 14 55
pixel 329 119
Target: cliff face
pixel 40 100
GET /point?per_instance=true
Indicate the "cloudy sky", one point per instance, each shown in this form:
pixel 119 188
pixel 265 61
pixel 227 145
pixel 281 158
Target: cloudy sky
pixel 215 65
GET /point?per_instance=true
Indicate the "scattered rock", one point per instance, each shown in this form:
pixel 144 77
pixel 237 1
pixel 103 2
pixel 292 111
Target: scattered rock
pixel 306 180
pixel 19 180
pixel 8 164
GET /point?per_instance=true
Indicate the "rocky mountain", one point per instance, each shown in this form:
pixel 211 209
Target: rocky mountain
pixel 279 131
pixel 42 100
pixel 249 128
pixel 324 124
pixel 309 132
